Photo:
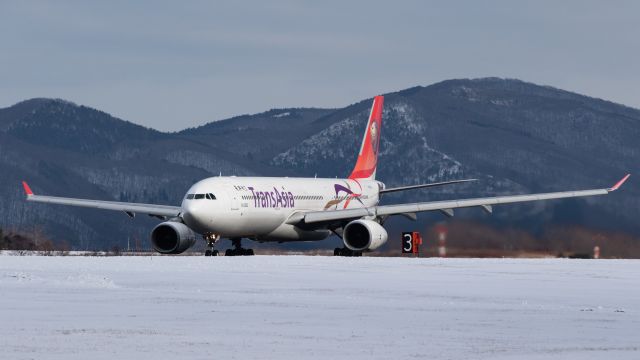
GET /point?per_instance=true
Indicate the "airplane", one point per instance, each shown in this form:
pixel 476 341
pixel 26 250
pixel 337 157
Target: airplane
pixel 282 209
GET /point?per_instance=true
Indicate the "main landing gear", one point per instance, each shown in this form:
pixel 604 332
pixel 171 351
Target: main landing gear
pixel 211 240
pixel 238 250
pixel 346 252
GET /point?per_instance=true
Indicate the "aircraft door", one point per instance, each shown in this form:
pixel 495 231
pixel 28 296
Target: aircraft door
pixel 235 202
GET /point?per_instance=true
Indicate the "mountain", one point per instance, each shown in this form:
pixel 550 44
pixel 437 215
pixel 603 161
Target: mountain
pixel 262 136
pixel 76 151
pixel 515 137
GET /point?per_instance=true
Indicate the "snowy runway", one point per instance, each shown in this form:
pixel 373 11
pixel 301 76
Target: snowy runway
pixel 295 307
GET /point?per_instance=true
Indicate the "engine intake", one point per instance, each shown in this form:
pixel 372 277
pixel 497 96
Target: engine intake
pixel 172 237
pixel 362 235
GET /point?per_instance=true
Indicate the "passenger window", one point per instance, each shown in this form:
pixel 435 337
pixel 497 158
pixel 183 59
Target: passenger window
pixel 189 196
pixel 199 196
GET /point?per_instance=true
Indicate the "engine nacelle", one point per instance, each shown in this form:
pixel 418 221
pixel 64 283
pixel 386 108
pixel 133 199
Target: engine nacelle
pixel 362 235
pixel 172 237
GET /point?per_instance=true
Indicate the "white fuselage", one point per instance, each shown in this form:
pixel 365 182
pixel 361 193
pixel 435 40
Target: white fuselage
pixel 259 207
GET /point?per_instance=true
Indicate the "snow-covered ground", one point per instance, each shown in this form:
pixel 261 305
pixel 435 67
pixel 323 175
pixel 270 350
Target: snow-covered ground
pixel 296 307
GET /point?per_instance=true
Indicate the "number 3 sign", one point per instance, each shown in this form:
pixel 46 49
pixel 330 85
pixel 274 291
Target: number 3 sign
pixel 411 242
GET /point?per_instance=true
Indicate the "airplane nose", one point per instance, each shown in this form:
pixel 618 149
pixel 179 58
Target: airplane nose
pixel 194 215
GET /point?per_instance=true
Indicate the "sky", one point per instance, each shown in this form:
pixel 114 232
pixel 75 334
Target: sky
pixel 170 65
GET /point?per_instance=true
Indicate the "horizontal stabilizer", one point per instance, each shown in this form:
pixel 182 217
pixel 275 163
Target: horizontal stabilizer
pixel 411 187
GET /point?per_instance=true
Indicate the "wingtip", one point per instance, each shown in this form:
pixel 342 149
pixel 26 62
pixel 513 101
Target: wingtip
pixel 619 183
pixel 27 189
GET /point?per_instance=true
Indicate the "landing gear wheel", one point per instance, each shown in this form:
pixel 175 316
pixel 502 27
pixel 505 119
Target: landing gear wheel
pixel 346 252
pixel 215 253
pixel 207 253
pixel 238 250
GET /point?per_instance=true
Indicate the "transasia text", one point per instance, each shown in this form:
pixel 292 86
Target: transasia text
pixel 272 199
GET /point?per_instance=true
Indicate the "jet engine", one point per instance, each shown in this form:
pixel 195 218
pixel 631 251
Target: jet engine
pixel 172 237
pixel 362 235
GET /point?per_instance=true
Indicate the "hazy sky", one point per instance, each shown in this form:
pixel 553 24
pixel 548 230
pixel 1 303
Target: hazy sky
pixel 175 64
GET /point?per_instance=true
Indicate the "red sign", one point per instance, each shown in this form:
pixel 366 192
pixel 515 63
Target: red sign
pixel 411 242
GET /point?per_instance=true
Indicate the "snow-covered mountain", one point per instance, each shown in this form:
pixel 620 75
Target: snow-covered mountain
pixel 512 135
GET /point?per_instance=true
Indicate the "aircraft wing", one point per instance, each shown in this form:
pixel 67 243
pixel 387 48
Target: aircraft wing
pixel 446 206
pixel 130 208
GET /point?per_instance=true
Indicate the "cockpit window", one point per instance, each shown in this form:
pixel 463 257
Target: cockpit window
pixel 208 196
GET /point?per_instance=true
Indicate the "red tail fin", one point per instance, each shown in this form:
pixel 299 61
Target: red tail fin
pixel 368 157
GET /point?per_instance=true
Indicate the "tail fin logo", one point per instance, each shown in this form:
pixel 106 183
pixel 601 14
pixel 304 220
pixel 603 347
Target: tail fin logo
pixel 374 137
pixel 368 156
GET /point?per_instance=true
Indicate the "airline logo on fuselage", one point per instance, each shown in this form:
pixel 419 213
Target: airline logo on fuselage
pixel 344 198
pixel 272 199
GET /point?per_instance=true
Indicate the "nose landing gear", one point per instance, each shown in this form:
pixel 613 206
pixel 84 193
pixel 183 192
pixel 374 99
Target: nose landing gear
pixel 211 240
pixel 238 250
